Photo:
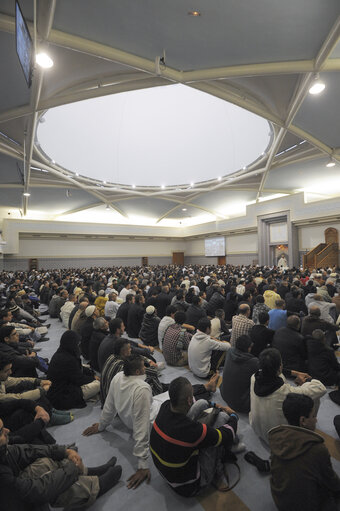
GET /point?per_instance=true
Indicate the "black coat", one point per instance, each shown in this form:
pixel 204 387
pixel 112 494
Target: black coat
pixel 122 312
pixel 96 339
pixel 194 314
pixel 162 301
pixel 21 364
pixel 67 376
pixel 149 330
pixel 235 387
pixel 291 345
pixel 85 334
pixel 261 337
pixel 134 320
pixel 217 301
pixel 322 362
pixel 106 349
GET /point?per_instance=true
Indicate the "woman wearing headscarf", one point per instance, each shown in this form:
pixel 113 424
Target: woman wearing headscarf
pixel 72 383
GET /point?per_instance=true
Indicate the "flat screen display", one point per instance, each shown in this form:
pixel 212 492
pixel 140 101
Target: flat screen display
pixel 23 44
pixel 215 246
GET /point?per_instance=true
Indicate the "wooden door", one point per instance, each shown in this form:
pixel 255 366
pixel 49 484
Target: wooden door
pixel 331 235
pixel 221 260
pixel 145 261
pixel 178 258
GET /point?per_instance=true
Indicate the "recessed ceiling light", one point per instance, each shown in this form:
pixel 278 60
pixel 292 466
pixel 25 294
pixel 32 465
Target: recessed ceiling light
pixel 244 168
pixel 330 163
pixel 219 178
pixel 163 186
pixel 26 194
pixel 104 182
pixel 43 60
pixel 133 186
pixel 192 184
pixel 317 86
pixel 184 209
pixel 194 13
pixel 77 174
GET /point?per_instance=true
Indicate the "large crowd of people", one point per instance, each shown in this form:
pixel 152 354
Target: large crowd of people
pixel 266 336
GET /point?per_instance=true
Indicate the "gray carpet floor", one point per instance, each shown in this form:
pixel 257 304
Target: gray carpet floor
pixel 253 489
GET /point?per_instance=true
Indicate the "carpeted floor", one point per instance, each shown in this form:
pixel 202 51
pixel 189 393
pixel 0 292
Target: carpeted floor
pixel 252 492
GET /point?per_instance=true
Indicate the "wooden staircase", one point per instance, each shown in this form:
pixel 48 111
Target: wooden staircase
pixel 325 254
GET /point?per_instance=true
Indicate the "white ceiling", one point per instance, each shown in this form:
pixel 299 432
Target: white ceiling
pixel 260 56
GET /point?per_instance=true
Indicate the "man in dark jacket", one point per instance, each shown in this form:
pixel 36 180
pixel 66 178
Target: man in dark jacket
pixel 123 310
pixel 22 364
pixel 91 313
pixel 302 476
pixel 99 332
pixel 33 476
pixel 314 322
pixel 239 366
pixel 261 335
pixel 322 362
pixel 291 345
pixel 195 312
pixel 56 303
pixel 162 301
pixel 216 301
pixel 135 316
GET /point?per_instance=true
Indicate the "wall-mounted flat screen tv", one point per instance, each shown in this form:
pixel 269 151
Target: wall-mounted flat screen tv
pixel 24 44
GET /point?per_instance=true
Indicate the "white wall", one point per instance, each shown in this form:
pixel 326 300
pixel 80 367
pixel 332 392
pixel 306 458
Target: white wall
pixel 98 248
pixel 241 243
pixel 310 236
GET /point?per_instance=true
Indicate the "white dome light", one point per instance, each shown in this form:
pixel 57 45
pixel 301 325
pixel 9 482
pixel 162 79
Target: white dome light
pixel 43 60
pixel 317 87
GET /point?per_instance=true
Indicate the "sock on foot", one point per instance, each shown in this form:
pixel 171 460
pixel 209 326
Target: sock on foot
pixel 101 469
pixel 109 479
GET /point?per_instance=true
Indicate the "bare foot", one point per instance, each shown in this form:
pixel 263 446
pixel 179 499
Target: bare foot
pixel 212 383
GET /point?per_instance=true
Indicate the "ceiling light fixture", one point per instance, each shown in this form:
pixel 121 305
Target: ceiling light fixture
pixel 43 60
pixel 77 174
pixel 195 14
pixel 133 186
pixel 317 86
pixel 26 194
pixel 184 209
pixel 330 163
pixel 163 186
pixel 104 182
pixel 107 207
pixel 192 184
pixel 219 178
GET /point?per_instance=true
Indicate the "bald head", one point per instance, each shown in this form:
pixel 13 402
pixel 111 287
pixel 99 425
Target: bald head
pixel 244 309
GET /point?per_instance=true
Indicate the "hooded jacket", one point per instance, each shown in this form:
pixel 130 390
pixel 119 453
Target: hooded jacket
pixel 322 362
pixel 267 396
pixel 235 387
pixel 199 353
pixel 302 476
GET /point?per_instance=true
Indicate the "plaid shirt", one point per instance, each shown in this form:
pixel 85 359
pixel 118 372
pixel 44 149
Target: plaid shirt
pixel 171 350
pixel 240 325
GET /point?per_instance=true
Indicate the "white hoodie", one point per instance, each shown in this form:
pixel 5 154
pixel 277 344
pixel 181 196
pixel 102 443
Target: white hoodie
pixel 199 353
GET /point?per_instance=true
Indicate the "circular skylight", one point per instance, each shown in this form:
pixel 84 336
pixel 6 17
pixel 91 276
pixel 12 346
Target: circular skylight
pixel 161 136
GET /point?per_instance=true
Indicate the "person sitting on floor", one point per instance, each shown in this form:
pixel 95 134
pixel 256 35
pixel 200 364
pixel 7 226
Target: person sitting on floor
pixel 322 361
pixel 33 476
pixel 111 306
pixel 195 311
pixel 100 302
pixel 166 321
pixel 66 310
pixel 130 397
pixel 259 307
pixel 190 455
pixel 219 328
pixel 239 366
pixel 72 383
pixel 291 345
pixel 268 389
pixel 278 315
pixel 99 332
pixel 241 324
pixel 205 354
pixel 22 364
pixel 302 476
pixel 261 335
pixel 149 329
pixel 176 341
